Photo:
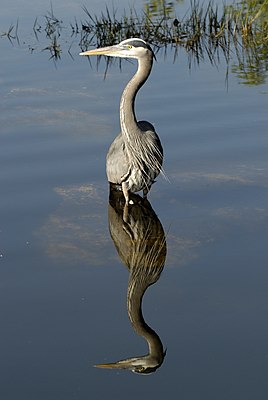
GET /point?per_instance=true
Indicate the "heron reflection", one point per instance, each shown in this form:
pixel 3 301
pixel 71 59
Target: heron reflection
pixel 141 245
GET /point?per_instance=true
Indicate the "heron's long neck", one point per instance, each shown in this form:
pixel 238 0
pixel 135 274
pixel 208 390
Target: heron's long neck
pixel 128 119
pixel 134 302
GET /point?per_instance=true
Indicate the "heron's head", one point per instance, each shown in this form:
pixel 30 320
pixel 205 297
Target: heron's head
pixel 129 48
pixel 140 365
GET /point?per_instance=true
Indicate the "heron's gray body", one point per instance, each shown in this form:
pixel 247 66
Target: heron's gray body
pixel 118 163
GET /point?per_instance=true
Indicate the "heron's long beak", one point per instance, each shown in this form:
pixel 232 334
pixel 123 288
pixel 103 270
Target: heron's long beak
pixel 107 51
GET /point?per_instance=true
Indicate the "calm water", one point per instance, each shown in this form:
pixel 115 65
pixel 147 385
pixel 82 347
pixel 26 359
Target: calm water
pixel 63 287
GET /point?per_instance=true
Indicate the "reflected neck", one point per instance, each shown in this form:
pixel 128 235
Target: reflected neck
pixel 134 303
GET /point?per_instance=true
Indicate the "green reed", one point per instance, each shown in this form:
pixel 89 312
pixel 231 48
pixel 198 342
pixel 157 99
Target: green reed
pixel 238 32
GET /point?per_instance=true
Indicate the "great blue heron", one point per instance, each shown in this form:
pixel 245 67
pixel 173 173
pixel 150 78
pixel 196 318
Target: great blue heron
pixel 135 157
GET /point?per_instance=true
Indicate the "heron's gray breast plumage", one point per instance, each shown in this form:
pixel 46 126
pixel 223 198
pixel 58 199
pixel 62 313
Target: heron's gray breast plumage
pixel 140 173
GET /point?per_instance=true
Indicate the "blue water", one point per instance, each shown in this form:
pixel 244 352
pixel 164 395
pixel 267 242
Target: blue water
pixel 63 286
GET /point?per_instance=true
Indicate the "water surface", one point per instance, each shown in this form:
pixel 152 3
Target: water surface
pixel 63 286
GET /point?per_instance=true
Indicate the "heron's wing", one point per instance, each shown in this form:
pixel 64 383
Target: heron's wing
pixel 145 126
pixel 116 161
pixel 152 150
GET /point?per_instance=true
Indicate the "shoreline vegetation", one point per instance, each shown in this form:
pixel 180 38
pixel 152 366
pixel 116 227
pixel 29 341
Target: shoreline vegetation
pixel 237 33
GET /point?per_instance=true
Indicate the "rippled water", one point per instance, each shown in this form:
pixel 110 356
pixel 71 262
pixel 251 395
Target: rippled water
pixel 63 285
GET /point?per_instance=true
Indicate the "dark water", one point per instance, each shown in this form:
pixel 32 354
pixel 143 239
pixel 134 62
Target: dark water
pixel 63 297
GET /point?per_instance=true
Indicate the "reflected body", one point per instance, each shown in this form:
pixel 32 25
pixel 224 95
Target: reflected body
pixel 135 157
pixel 141 245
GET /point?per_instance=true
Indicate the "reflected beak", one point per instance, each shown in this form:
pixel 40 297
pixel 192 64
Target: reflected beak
pixel 102 51
pixel 116 365
pixel 140 365
pixel 108 366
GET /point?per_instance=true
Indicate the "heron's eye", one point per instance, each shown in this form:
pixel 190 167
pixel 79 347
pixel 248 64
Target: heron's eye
pixel 129 46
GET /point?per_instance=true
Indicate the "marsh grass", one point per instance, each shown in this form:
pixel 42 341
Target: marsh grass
pixel 237 32
pixel 12 33
pixel 52 29
pixel 54 48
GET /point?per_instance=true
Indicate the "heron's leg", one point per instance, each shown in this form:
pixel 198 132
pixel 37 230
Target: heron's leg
pixel 125 213
pixel 126 176
pixel 146 191
pixel 125 186
pixel 125 191
pixel 128 230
